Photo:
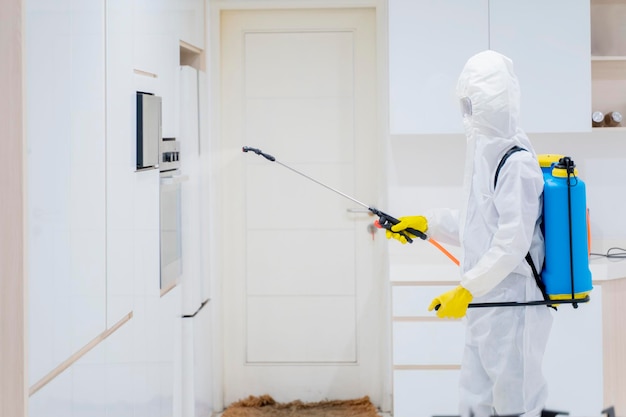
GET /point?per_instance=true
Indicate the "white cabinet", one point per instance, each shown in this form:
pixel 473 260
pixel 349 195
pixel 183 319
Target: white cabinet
pixel 122 180
pixel 425 393
pixel 191 22
pixel 158 28
pixel 549 43
pixel 193 252
pixel 65 159
pixel 430 40
pixel 92 220
pixel 156 57
pixel 573 361
pixel 427 354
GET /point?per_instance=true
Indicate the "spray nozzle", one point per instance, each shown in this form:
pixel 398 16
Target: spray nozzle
pixel 258 152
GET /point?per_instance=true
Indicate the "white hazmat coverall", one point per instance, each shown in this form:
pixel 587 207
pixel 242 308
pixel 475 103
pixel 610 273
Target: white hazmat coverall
pixel 501 369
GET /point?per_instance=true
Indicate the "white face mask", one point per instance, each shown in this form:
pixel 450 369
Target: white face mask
pixel 467 111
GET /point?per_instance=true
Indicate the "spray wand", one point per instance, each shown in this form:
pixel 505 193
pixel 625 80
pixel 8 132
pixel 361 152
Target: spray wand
pixel 385 221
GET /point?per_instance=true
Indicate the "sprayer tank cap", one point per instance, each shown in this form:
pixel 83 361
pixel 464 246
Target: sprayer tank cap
pixel 564 165
pixel 562 172
pixel 547 159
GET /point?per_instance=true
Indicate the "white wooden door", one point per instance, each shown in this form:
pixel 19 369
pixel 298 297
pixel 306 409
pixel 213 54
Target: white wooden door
pixel 302 283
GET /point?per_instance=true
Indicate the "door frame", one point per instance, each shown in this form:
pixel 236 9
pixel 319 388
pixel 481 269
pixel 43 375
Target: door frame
pixel 213 10
pixel 13 245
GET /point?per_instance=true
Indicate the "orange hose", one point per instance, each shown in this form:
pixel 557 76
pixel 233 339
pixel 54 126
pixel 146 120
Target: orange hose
pixel 456 261
pixel 445 252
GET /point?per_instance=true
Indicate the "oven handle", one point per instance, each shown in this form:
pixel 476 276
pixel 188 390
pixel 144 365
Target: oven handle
pixel 174 179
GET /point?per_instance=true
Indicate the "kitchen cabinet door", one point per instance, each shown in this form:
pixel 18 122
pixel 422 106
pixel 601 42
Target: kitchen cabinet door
pixel 65 160
pixel 429 42
pixel 156 57
pixel 550 44
pixel 425 392
pixel 122 181
pixel 574 358
pixel 191 20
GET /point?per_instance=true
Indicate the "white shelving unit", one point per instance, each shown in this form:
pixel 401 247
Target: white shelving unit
pixel 608 56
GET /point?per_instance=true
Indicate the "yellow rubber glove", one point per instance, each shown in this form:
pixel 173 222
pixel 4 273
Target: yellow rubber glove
pixel 452 304
pixel 414 222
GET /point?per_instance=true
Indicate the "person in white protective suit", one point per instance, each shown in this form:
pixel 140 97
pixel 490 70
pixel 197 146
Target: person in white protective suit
pixel 496 227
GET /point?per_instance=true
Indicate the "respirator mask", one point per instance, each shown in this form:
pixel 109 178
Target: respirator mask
pixel 466 106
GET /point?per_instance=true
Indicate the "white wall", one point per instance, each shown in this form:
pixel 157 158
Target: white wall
pixel 600 157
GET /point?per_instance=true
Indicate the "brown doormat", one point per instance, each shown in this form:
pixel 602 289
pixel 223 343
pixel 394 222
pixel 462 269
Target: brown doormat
pixel 265 406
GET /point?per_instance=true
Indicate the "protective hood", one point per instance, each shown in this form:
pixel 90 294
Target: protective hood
pixel 496 226
pixel 490 84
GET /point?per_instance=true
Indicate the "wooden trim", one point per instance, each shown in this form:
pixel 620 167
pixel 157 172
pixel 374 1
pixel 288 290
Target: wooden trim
pixel 444 367
pixel 13 288
pixel 79 354
pixel 145 73
pixel 614 343
pixel 192 56
pixel 170 287
pixel 290 4
pixel 190 48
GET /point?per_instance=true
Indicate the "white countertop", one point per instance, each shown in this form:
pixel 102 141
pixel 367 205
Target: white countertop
pixel 602 269
pixel 606 269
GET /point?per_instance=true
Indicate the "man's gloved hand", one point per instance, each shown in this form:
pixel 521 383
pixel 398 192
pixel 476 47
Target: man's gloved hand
pixel 452 304
pixel 414 222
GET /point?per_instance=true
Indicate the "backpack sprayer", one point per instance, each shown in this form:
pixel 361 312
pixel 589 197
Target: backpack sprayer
pixel 386 221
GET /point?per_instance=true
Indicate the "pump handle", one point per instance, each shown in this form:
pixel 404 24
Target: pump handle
pixel 386 222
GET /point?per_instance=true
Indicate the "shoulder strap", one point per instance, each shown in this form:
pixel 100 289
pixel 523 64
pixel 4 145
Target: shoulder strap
pixel 503 160
pixel 529 259
pixel 537 276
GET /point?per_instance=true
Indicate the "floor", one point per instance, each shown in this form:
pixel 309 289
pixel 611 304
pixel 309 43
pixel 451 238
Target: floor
pixel 381 414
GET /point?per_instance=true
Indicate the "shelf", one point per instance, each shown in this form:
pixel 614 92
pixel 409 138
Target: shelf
pixel 608 58
pixel 609 129
pixel 192 56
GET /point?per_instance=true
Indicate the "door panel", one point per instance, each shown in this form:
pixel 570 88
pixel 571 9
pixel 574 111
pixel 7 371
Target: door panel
pixel 276 332
pixel 319 128
pixel 280 199
pixel 310 63
pixel 307 272
pixel 303 307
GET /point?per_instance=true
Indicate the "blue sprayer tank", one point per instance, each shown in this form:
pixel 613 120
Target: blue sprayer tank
pixel 565 210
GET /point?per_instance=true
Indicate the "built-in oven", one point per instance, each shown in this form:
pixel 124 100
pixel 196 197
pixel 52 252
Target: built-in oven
pixel 170 213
